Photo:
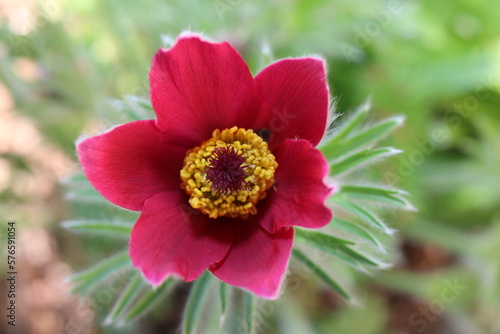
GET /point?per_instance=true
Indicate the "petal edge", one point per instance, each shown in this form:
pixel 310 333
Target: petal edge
pixel 172 238
pixel 198 86
pixel 295 100
pixel 130 163
pixel 299 190
pixel 257 262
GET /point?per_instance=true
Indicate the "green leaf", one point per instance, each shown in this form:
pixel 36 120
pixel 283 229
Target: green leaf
pixel 88 195
pixel 350 125
pixel 358 257
pixel 362 213
pixel 320 240
pixel 361 157
pixel 346 258
pixel 333 245
pixel 144 104
pixel 356 230
pixel 320 273
pixel 335 149
pixel 223 287
pixel 134 108
pixel 115 228
pixel 127 298
pixel 249 311
pixel 90 278
pixel 391 196
pixel 148 301
pixel 195 302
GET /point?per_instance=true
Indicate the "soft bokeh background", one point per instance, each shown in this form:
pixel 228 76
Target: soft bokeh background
pixel 437 63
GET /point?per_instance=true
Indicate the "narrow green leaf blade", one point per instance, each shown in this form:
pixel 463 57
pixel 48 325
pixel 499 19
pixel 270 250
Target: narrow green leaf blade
pixel 363 138
pixel 249 311
pixel 87 195
pixel 87 279
pixel 148 301
pixel 362 157
pixel 390 196
pixel 345 258
pixel 356 230
pixel 144 104
pixel 335 246
pixel 134 108
pixel 350 188
pixel 195 303
pixel 126 299
pixel 115 228
pixel 223 287
pixel 362 213
pixel 320 273
pixel 349 126
pixel 358 257
pixel 320 240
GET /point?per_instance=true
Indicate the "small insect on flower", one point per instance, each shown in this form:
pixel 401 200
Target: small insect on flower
pixel 225 171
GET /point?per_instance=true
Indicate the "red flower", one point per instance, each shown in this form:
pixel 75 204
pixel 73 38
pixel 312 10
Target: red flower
pixel 226 169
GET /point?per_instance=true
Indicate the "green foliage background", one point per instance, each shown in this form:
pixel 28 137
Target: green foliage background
pixel 436 63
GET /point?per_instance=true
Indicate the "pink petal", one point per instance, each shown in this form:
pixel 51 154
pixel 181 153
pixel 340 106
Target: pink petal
pixel 257 260
pixel 131 163
pixel 170 237
pixel 294 95
pixel 299 193
pixel 197 87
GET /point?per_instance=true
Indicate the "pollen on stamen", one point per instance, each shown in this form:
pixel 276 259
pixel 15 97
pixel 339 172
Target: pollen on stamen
pixel 229 173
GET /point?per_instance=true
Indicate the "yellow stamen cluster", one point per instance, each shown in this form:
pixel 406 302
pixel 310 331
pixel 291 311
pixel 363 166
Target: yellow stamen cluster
pixel 259 167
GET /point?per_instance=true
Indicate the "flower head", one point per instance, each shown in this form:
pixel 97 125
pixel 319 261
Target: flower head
pixel 225 171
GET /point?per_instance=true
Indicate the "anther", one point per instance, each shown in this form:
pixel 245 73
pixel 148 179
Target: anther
pixel 229 173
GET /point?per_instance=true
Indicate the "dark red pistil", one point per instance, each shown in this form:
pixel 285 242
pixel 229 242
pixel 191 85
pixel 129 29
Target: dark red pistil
pixel 226 170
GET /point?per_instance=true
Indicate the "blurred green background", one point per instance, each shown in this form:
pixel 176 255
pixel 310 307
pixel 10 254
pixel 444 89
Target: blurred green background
pixel 436 63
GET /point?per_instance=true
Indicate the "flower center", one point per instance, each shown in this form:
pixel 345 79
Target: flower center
pixel 229 173
pixel 226 171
